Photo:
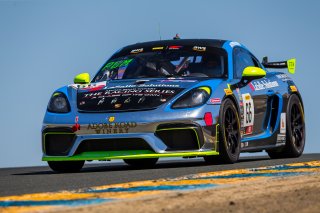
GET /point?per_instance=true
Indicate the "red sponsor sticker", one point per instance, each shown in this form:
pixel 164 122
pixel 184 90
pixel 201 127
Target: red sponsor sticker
pixel 249 130
pixel 215 100
pixel 174 47
pixel 251 86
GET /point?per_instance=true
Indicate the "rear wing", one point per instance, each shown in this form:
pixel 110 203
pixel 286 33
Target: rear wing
pixel 290 64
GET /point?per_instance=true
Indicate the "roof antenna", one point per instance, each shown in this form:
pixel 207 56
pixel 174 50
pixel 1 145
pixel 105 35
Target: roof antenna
pixel 176 37
pixel 159 30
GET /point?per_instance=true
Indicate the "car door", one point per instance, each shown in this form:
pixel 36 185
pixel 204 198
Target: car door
pixel 253 98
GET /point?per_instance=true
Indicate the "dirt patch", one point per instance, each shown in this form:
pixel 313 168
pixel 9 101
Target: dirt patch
pixel 287 194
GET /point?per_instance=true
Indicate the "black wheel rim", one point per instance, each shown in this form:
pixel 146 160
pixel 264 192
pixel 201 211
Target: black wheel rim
pixel 297 126
pixel 231 130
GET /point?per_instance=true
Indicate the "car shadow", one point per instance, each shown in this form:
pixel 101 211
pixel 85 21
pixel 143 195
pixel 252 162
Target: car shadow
pixel 92 168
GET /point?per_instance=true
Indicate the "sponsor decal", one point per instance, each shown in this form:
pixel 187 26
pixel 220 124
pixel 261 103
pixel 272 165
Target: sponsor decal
pixel 157 48
pixel 283 123
pixel 234 43
pixel 111 119
pixel 114 101
pixel 248 130
pixel 283 77
pixel 199 49
pixel 82 103
pixel 127 100
pixel 101 101
pixel 93 87
pixel 247 97
pixel 117 106
pixel 248 110
pixel 178 80
pixel 76 126
pixel 116 64
pixel 112 128
pixel 239 94
pixel 141 100
pixel 145 85
pixel 263 84
pixel 215 100
pixel 293 88
pixel 129 92
pixel 281 138
pixel 174 47
pixel 244 144
pixel 228 91
pixel 251 86
pixel 163 100
pixel 74 86
pixel 136 51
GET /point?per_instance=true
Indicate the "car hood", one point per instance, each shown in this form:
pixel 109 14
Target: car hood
pixel 130 95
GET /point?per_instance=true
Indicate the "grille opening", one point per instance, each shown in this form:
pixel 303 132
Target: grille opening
pixel 179 139
pixel 58 144
pixel 175 125
pixel 117 144
pixel 274 113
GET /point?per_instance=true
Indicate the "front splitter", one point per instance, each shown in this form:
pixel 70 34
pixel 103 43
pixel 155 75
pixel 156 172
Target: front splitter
pixel 131 154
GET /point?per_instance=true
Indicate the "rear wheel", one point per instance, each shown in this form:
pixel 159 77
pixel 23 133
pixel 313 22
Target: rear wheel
pixel 66 166
pixel 229 135
pixel 295 131
pixel 141 163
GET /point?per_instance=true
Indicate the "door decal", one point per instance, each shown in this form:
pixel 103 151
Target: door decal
pixel 248 111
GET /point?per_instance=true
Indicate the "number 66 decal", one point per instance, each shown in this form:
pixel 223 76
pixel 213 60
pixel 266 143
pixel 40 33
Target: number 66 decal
pixel 248 110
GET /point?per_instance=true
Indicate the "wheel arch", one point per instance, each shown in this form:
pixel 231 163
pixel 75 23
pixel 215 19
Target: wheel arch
pixel 234 101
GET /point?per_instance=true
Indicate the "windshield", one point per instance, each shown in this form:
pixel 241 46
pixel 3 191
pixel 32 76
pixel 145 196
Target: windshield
pixel 161 62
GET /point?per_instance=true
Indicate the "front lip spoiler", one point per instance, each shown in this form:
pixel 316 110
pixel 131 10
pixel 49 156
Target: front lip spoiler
pixel 132 154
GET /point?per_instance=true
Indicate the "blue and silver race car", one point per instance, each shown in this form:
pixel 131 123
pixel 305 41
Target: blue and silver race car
pixel 175 98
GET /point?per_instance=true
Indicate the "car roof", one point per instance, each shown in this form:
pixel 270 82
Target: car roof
pixel 217 43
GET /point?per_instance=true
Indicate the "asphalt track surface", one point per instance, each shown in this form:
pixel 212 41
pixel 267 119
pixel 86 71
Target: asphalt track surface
pixel 17 181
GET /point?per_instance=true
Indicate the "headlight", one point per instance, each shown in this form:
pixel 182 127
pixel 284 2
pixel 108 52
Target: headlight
pixel 59 103
pixel 193 98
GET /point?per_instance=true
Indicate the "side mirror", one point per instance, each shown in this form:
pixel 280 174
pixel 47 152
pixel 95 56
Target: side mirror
pixel 252 73
pixel 83 78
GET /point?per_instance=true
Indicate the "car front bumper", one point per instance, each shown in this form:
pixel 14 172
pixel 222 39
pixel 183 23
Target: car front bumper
pixel 129 135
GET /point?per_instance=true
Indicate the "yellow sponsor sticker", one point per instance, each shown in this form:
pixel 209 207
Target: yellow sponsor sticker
pixel 111 119
pixel 157 48
pixel 247 97
pixel 293 89
pixel 228 91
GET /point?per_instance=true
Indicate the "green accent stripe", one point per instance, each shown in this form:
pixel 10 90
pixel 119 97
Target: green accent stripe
pixel 130 154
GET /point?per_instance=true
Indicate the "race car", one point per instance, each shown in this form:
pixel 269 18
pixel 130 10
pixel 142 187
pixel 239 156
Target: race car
pixel 175 98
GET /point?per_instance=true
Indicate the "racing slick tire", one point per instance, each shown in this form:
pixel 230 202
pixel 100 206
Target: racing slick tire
pixel 295 131
pixel 66 166
pixel 229 135
pixel 141 163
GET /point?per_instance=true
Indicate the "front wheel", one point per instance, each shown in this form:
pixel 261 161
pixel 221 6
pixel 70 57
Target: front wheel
pixel 295 131
pixel 141 163
pixel 229 135
pixel 66 166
